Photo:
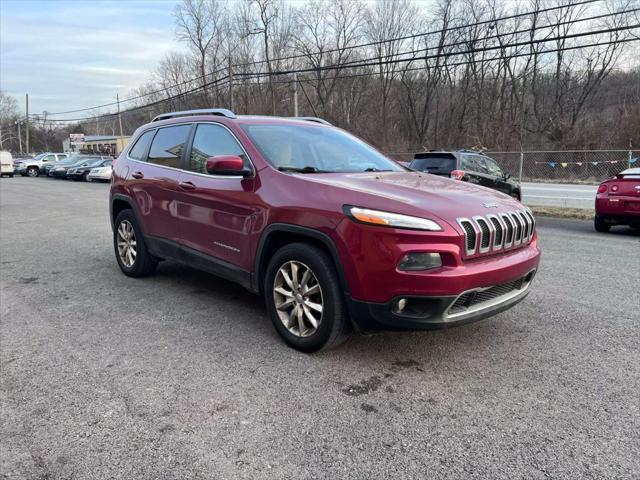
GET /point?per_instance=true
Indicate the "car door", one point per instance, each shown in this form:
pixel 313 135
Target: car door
pixel 153 179
pixel 47 160
pixel 216 211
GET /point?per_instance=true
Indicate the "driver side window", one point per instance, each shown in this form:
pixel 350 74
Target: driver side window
pixel 492 167
pixel 209 141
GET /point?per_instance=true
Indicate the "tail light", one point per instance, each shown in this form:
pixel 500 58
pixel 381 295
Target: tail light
pixel 457 174
pixel 602 188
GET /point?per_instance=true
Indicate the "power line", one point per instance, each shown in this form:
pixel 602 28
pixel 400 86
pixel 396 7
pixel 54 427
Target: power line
pixel 227 80
pixel 291 57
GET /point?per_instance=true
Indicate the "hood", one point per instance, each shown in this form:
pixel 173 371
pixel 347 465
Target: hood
pixel 417 193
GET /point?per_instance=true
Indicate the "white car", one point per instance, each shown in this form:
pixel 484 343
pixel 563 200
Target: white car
pixel 6 164
pixel 100 174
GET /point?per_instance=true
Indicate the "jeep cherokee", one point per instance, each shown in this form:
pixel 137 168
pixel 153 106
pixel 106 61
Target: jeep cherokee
pixel 331 232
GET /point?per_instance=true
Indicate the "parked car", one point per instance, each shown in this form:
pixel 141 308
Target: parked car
pixel 81 173
pixel 618 201
pixel 6 164
pixel 33 167
pixel 70 160
pixel 469 167
pixel 101 174
pixel 60 170
pixel 330 231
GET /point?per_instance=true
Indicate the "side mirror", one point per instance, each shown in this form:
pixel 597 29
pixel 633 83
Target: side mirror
pixel 507 175
pixel 226 165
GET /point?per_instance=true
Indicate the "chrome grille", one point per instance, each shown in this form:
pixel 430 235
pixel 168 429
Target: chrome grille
pixel 485 233
pixel 470 235
pixel 496 232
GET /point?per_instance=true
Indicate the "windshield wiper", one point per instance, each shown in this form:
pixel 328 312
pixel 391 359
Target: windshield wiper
pixel 374 169
pixel 307 169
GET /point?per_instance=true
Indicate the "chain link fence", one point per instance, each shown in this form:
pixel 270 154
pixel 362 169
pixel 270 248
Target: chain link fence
pixel 577 166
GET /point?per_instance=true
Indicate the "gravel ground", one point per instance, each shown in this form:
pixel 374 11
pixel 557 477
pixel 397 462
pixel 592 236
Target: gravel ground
pixel 181 375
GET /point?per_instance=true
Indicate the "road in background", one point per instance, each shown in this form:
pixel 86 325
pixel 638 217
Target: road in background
pixel 559 195
pixel 181 375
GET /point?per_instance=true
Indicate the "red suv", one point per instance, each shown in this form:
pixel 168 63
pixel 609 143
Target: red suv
pixel 334 234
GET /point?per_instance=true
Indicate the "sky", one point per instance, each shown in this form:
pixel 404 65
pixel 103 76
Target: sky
pixel 71 54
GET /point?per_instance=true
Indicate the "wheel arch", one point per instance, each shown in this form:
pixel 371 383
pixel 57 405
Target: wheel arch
pixel 277 235
pixel 120 202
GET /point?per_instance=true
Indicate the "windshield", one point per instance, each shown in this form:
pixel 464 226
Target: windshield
pixel 40 156
pixel 315 149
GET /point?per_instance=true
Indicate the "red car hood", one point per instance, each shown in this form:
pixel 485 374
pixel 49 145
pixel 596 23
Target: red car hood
pixel 414 193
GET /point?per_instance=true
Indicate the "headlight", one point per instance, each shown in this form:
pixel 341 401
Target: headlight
pixel 395 220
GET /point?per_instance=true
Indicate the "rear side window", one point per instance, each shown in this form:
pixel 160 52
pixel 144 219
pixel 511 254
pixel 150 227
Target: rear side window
pixel 434 163
pixel 211 140
pixel 168 144
pixel 137 152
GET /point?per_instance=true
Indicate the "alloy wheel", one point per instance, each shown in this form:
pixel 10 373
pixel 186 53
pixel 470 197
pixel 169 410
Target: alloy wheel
pixel 126 241
pixel 298 299
pixel 32 172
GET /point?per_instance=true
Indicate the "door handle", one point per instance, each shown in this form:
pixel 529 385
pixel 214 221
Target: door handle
pixel 137 175
pixel 186 186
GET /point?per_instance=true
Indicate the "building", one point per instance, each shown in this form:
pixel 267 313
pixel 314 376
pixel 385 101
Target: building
pixel 98 144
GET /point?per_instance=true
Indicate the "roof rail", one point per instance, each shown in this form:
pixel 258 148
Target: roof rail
pixel 312 119
pixel 223 112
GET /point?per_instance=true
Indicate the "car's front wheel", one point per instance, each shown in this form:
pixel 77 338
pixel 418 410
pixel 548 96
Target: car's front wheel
pixel 33 172
pixel 600 225
pixel 132 254
pixel 304 298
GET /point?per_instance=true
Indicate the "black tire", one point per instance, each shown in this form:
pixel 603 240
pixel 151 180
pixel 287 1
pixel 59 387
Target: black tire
pixel 516 195
pixel 33 171
pixel 144 263
pixel 600 225
pixel 334 326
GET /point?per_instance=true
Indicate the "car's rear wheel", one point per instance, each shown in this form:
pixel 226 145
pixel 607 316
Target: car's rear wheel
pixel 304 299
pixel 600 225
pixel 33 172
pixel 132 254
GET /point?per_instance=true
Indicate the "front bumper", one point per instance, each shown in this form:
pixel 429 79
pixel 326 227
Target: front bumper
pixel 439 312
pixel 99 176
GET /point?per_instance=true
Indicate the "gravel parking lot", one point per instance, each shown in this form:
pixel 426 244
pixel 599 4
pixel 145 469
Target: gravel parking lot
pixel 181 375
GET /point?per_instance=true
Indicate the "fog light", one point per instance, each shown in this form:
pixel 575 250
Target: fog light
pixel 420 261
pixel 401 304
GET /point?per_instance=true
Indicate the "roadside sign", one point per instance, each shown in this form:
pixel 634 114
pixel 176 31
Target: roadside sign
pixel 76 138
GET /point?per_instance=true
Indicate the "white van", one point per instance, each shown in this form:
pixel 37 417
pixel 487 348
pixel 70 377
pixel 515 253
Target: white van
pixel 6 164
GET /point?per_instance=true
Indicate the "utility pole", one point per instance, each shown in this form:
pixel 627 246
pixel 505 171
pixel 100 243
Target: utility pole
pixel 19 135
pixel 27 122
pixel 119 116
pixel 295 94
pixel 230 85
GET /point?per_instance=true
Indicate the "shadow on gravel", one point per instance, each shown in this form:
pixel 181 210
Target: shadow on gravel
pixel 436 345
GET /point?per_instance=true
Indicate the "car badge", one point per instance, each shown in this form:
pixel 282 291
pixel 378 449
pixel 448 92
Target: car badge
pixel 490 205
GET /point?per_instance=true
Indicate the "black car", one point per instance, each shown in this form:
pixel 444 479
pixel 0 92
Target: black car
pixel 469 167
pixel 61 169
pixel 82 172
